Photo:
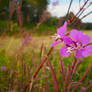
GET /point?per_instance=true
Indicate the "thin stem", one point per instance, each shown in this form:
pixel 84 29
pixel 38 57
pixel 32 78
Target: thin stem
pixel 83 18
pixel 82 7
pixel 38 70
pixel 75 22
pixel 53 77
pixel 74 90
pixel 74 17
pixel 69 8
pixel 86 15
pixel 88 44
pixel 79 62
pixel 67 78
pixel 75 61
pixel 62 70
pixel 67 75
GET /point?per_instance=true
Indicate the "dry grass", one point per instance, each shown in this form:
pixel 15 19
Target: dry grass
pixel 12 44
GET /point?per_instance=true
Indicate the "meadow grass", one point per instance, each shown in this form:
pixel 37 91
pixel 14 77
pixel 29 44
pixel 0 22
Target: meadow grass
pixel 21 64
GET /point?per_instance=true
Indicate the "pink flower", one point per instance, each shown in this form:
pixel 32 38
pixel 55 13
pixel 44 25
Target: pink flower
pixel 79 40
pixel 60 34
pixel 55 3
pixel 26 40
pixel 77 43
pixel 3 68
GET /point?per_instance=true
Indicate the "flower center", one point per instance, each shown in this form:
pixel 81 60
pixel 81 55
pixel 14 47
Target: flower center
pixel 69 50
pixel 79 46
pixel 74 48
pixel 58 37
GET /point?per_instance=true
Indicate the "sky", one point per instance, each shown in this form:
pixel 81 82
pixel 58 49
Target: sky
pixel 62 6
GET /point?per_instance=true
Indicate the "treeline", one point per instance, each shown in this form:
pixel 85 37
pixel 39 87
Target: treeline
pixel 87 26
pixel 77 23
pixel 32 11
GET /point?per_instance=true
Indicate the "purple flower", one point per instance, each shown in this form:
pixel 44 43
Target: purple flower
pixel 62 30
pixel 77 45
pixel 26 40
pixel 3 68
pixel 60 34
pixel 55 3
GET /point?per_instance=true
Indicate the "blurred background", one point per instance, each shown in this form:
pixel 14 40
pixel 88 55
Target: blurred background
pixel 48 12
pixel 27 30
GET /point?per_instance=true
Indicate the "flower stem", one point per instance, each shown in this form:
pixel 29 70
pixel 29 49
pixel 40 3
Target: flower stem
pixel 82 78
pixel 53 77
pixel 71 74
pixel 62 70
pixel 38 70
pixel 74 17
pixel 67 78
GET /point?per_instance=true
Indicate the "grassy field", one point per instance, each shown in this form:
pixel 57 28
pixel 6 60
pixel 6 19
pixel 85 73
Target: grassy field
pixel 21 64
pixel 11 44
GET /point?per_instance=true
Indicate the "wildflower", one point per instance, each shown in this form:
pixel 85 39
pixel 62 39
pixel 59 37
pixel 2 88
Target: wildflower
pixel 62 30
pixel 78 45
pixel 60 34
pixel 26 40
pixel 55 3
pixel 3 68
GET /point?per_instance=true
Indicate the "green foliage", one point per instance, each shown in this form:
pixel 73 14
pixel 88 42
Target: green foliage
pixel 3 4
pixel 3 59
pixel 2 26
pixel 14 28
pixel 4 9
pixel 32 9
pixel 45 29
pixel 52 21
pixel 25 67
pixel 87 26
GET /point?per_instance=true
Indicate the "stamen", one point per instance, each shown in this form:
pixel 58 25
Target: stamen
pixel 69 50
pixel 79 46
pixel 58 36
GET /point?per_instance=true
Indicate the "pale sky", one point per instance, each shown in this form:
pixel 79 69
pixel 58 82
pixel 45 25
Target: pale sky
pixel 61 9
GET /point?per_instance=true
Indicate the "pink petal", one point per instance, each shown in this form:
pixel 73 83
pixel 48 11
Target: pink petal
pixel 78 36
pixel 74 34
pixel 85 52
pixel 63 52
pixel 61 31
pixel 84 39
pixel 79 54
pixel 55 43
pixel 67 40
